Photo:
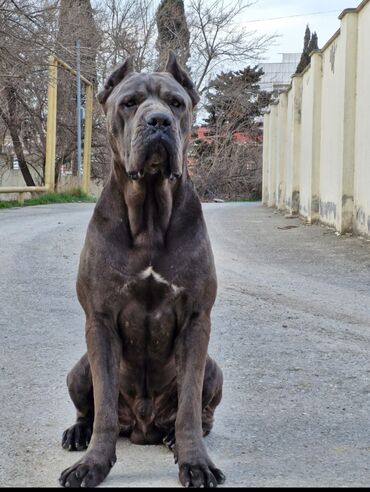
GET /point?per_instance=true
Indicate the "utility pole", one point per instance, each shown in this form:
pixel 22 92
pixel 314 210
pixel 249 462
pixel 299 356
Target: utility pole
pixel 78 109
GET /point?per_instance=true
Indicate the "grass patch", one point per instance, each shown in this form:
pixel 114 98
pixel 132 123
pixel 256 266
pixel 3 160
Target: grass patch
pixel 76 196
pixel 249 199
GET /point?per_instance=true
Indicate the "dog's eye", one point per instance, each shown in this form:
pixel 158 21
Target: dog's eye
pixel 129 103
pixel 176 103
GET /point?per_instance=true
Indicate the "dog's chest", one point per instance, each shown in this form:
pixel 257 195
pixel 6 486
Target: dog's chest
pixel 150 289
pixel 148 318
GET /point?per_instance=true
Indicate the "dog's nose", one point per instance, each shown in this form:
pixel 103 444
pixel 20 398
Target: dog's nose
pixel 159 120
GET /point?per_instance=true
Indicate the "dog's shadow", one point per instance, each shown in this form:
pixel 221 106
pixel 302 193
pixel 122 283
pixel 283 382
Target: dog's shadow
pixel 153 465
pixel 142 466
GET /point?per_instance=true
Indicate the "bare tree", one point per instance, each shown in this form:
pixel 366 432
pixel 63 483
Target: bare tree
pixel 217 38
pixel 228 151
pixel 26 28
pixel 109 30
pixel 127 27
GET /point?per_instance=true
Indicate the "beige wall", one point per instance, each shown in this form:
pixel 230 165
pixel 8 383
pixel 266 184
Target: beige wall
pixel 293 145
pixel 266 162
pixel 324 144
pixel 281 151
pixel 361 222
pixel 332 129
pixel 309 162
pixel 272 155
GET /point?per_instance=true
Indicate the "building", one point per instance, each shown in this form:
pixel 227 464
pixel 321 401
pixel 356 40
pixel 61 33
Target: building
pixel 277 76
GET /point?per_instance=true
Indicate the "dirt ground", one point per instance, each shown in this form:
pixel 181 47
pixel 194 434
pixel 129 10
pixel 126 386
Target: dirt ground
pixel 291 331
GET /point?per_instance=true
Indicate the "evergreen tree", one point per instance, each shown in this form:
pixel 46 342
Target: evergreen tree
pixel 234 99
pixel 314 43
pixel 173 32
pixel 229 154
pixel 305 57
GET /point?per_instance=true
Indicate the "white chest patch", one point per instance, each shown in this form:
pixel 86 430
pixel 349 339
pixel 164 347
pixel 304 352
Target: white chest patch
pixel 149 272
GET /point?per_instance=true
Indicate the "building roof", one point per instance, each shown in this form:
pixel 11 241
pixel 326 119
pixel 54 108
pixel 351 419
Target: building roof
pixel 278 75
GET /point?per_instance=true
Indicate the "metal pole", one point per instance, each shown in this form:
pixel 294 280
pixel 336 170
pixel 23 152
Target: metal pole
pixel 78 109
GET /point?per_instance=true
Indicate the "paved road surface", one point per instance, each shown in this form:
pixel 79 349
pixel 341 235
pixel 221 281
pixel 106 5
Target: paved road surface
pixel 291 330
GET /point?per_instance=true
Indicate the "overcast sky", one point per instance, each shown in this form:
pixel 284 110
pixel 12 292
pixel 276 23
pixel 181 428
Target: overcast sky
pixel 276 16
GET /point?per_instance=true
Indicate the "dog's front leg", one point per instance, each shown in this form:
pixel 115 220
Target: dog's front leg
pixel 195 467
pixel 103 348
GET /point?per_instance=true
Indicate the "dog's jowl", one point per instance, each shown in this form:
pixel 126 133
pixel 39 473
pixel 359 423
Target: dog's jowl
pixel 147 284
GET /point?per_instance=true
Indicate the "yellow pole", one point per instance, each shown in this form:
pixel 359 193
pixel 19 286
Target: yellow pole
pixel 87 139
pixel 21 198
pixel 51 124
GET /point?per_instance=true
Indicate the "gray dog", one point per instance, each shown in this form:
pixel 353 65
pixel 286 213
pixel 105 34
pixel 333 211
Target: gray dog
pixel 147 284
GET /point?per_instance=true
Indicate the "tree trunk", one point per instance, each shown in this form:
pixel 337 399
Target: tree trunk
pixel 13 127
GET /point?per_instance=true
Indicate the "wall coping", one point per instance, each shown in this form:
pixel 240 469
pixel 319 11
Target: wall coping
pixel 355 10
pixel 347 11
pixel 320 51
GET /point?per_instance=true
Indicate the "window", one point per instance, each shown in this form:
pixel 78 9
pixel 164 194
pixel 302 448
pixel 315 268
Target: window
pixel 15 164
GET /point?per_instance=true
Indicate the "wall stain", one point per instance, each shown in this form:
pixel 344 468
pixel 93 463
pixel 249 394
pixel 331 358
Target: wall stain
pixel 361 216
pixel 328 210
pixel 345 198
pixel 315 206
pixel 295 201
pixel 333 51
pixel 280 192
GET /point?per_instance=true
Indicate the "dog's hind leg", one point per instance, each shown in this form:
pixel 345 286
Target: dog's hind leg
pixel 211 395
pixel 79 382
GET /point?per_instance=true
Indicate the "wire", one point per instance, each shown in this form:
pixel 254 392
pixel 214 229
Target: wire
pixel 290 16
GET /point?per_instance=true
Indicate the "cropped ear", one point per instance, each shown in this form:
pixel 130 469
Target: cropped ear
pixel 115 78
pixel 182 77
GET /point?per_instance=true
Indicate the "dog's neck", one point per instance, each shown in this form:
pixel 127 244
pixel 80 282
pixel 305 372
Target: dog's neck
pixel 149 203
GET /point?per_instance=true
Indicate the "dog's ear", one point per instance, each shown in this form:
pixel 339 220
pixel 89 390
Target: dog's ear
pixel 115 78
pixel 182 77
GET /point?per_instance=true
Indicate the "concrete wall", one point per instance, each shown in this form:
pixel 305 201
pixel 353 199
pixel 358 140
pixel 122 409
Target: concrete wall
pixel 13 177
pixel 361 219
pixel 309 173
pixel 319 154
pixel 280 181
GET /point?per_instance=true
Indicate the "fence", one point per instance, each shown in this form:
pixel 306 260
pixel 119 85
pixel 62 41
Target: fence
pixel 316 159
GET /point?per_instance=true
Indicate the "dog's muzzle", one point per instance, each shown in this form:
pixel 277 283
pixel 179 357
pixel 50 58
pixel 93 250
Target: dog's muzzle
pixel 157 151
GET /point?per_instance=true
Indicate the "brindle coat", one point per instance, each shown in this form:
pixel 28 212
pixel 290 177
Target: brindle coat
pixel 147 284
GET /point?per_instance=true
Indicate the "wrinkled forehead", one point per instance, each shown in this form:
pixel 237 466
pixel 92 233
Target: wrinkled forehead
pixel 157 85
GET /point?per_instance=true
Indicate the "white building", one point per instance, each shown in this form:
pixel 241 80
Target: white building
pixel 278 75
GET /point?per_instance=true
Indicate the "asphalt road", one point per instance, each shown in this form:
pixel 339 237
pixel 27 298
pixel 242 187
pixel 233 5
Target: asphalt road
pixel 291 331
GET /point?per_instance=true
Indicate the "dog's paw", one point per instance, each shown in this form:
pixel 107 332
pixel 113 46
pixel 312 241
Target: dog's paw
pixel 86 473
pixel 200 475
pixel 77 437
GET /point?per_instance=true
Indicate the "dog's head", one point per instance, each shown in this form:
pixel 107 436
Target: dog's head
pixel 149 118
